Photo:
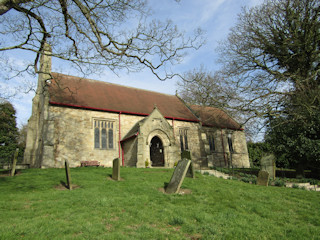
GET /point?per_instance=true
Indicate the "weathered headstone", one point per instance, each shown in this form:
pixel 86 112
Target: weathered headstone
pixel 263 178
pixel 267 163
pixel 116 169
pixel 178 176
pixel 186 154
pixel 69 185
pixel 190 172
pixel 14 164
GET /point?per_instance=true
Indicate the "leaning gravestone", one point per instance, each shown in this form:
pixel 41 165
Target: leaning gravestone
pixel 186 154
pixel 267 163
pixel 263 178
pixel 69 185
pixel 190 172
pixel 178 176
pixel 116 169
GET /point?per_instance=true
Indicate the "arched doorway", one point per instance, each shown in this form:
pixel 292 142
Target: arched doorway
pixel 156 152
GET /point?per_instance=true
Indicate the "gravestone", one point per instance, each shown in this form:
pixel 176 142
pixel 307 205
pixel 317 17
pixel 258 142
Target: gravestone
pixel 186 154
pixel 178 176
pixel 190 172
pixel 263 178
pixel 267 163
pixel 14 164
pixel 116 169
pixel 69 185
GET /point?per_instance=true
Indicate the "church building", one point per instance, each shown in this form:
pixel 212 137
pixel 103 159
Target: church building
pixel 78 119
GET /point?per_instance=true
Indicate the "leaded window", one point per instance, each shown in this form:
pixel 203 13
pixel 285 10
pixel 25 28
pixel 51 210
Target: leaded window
pixel 230 143
pixel 211 142
pixel 103 134
pixel 183 139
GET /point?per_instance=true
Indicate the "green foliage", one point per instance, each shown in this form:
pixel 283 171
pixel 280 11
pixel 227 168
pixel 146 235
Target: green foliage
pixel 295 142
pixel 8 132
pixel 295 186
pixel 256 151
pixel 279 182
pixel 272 58
pixel 22 141
pixel 245 179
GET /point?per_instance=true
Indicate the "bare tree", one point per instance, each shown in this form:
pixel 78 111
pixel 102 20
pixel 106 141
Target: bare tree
pixel 116 34
pixel 210 89
pixel 272 54
pixel 202 87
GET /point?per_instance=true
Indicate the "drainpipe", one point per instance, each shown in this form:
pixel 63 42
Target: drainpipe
pixel 224 154
pixel 173 128
pixel 120 139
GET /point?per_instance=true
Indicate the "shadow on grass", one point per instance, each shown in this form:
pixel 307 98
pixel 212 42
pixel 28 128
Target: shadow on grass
pixel 64 186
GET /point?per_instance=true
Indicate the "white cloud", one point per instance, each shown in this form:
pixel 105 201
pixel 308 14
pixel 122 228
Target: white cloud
pixel 209 9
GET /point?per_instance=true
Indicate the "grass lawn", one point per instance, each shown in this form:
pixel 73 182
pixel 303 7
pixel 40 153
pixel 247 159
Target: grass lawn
pixel 32 208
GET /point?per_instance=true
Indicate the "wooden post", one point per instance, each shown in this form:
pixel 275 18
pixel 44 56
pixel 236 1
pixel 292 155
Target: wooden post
pixel 14 164
pixel 69 185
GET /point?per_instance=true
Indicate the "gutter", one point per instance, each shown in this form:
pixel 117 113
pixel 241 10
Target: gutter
pixel 133 136
pixel 223 127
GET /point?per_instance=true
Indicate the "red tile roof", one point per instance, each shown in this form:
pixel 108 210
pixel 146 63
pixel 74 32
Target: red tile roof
pixel 215 117
pixel 84 93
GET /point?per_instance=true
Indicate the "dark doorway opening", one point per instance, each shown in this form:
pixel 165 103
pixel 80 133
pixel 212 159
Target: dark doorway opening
pixel 156 152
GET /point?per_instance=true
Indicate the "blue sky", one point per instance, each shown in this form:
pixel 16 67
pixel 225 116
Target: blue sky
pixel 215 17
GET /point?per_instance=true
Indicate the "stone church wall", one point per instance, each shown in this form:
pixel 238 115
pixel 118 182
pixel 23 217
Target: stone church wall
pixel 73 137
pixel 221 156
pixel 70 136
pixel 130 149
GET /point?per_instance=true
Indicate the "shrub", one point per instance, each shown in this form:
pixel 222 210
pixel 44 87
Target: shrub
pixel 313 182
pixel 246 180
pixel 279 183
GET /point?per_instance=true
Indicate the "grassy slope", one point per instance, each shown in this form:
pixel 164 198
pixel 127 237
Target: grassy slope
pixel 31 208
